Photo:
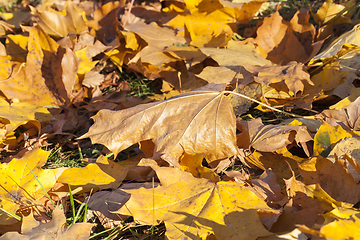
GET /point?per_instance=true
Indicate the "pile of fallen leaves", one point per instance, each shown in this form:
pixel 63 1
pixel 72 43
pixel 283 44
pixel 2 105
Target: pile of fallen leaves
pixel 192 162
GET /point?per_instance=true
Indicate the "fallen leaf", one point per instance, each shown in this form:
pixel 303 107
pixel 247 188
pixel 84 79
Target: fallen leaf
pixel 342 229
pixel 280 41
pixel 55 229
pixel 349 37
pixel 269 138
pixel 23 181
pixel 60 25
pixel 327 137
pixel 278 163
pixel 332 177
pixel 107 202
pixel 157 39
pixel 39 82
pixel 193 164
pixel 105 23
pixel 193 207
pixel 293 75
pixel 100 175
pixel 347 118
pixel 237 55
pixel 332 13
pixel 266 187
pixel 201 130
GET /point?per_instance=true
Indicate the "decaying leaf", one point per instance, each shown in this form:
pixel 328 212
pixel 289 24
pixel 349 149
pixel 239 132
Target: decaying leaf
pixel 186 123
pixel 196 207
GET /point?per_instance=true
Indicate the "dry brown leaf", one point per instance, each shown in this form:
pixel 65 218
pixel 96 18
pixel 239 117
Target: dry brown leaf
pixel 283 42
pixel 332 177
pixel 158 39
pixel 267 187
pixel 186 123
pixel 105 23
pixel 301 209
pixel 347 118
pixel 293 75
pixel 269 138
pixel 59 25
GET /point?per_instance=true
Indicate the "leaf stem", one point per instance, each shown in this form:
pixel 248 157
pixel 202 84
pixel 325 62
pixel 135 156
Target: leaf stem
pixel 272 108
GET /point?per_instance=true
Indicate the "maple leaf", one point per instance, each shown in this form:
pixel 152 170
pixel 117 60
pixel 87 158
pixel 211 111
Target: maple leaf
pixel 193 207
pixel 347 118
pixel 280 41
pixel 269 138
pixel 103 173
pixel 55 229
pixel 342 229
pixel 327 137
pixel 20 182
pixel 332 177
pixel 39 82
pixel 293 75
pixel 58 24
pixel 105 21
pixel 198 122
pixel 332 13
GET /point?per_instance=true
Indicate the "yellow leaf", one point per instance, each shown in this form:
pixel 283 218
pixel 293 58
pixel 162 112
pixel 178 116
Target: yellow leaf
pixel 86 63
pixel 342 229
pixel 19 184
pixel 6 68
pixel 19 112
pixel 40 81
pixel 54 229
pixel 16 47
pixel 192 164
pixel 327 137
pixel 331 11
pixel 100 175
pixel 196 207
